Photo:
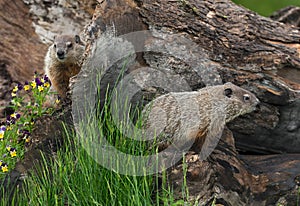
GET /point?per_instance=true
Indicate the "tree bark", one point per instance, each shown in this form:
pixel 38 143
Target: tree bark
pixel 251 51
pixel 235 45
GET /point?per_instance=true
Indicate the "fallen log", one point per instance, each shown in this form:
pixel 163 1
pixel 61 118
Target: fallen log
pixel 206 43
pixel 234 45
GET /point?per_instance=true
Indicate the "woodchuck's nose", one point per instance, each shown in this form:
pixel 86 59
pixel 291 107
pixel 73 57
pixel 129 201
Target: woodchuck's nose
pixel 60 54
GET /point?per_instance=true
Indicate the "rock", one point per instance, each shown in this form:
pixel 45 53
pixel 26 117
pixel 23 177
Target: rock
pixel 59 17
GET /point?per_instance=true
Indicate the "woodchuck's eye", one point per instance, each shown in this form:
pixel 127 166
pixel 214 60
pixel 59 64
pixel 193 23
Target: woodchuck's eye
pixel 246 97
pixel 55 46
pixel 228 92
pixel 77 39
pixel 69 44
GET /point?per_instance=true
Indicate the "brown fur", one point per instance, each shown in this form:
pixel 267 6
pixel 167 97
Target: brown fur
pixel 191 116
pixel 63 60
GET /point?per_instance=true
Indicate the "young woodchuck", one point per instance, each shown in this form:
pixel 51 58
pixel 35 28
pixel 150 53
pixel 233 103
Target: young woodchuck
pixel 63 60
pixel 191 116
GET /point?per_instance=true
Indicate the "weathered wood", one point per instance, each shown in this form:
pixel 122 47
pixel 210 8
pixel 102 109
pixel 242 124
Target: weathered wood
pixel 251 51
pixel 254 52
pixel 236 45
pixel 288 15
pixel 231 179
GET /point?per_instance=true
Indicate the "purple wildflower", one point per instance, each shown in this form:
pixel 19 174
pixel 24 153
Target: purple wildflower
pixel 46 78
pixel 3 128
pixel 10 120
pixel 25 134
pixel 38 82
pixel 20 86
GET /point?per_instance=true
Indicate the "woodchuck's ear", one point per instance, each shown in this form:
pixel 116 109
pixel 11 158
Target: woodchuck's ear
pixel 77 39
pixel 228 92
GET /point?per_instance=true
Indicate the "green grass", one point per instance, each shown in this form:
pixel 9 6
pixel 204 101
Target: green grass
pixel 266 7
pixel 78 180
pixel 73 177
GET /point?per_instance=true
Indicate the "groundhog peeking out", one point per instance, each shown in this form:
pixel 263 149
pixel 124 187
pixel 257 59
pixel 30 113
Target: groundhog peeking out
pixel 63 61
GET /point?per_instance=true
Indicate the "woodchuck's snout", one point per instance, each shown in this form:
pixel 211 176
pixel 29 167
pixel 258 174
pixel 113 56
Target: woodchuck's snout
pixel 60 54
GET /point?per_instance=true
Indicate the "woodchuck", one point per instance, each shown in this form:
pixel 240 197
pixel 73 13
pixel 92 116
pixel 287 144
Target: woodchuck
pixel 63 60
pixel 191 116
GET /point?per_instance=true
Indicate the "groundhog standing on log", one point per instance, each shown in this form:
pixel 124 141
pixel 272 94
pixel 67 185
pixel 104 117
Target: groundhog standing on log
pixel 192 116
pixel 63 60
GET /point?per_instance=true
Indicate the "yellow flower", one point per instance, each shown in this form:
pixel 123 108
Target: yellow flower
pixel 26 87
pixel 33 84
pixel 14 115
pixel 47 84
pixel 8 128
pixel 57 101
pixel 40 88
pixel 13 153
pixel 27 140
pixel 15 89
pixel 13 94
pixel 1 135
pixel 4 168
pixel 8 147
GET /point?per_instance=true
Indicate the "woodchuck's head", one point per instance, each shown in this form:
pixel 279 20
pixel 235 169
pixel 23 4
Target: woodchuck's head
pixel 239 101
pixel 66 46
